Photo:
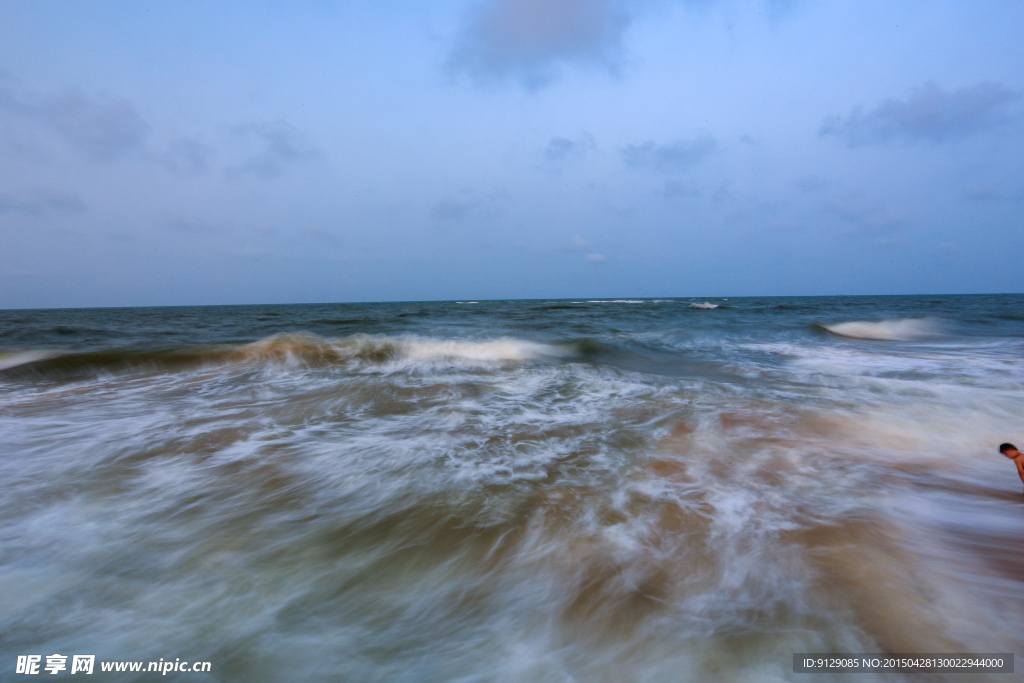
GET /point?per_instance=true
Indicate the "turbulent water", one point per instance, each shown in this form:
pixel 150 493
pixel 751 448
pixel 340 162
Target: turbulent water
pixel 592 490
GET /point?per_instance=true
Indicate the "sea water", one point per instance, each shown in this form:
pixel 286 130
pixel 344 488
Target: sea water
pixel 568 490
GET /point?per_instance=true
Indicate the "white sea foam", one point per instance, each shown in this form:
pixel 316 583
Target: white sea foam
pixel 995 367
pixel 497 351
pixel 900 329
pixel 704 305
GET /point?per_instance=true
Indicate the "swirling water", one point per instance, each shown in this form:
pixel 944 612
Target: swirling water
pixel 512 491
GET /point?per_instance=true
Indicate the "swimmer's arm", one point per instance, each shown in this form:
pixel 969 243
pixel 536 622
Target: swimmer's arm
pixel 1019 462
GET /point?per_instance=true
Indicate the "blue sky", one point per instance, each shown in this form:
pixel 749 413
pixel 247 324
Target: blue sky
pixel 215 153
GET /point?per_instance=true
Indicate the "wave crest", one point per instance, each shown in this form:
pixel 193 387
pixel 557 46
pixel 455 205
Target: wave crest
pixel 289 350
pixel 400 351
pixel 899 329
pixel 16 358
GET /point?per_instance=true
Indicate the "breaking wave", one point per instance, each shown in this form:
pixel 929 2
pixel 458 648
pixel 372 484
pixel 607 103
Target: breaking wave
pixel 291 350
pixel 903 329
pixel 704 305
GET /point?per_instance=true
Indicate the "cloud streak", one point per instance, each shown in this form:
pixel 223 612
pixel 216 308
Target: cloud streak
pixel 529 41
pixel 271 148
pixel 100 127
pixel 677 189
pixel 928 114
pixel 673 157
pixel 561 149
pixel 186 156
pixel 41 201
pixel 452 209
pixel 468 204
pixel 868 217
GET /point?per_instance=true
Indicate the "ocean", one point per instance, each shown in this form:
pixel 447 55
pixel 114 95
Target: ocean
pixel 564 490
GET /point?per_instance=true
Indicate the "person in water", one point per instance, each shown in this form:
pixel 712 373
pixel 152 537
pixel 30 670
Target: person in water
pixel 1011 452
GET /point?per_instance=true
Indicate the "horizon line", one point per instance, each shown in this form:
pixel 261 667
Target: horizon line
pixel 470 299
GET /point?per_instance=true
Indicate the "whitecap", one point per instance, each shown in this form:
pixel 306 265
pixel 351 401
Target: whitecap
pixel 415 350
pixel 900 329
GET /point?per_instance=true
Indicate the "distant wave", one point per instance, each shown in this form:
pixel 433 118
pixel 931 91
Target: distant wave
pixel 624 301
pixel 704 305
pixel 901 329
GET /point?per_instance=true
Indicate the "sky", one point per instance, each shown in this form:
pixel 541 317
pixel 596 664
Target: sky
pixel 192 153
